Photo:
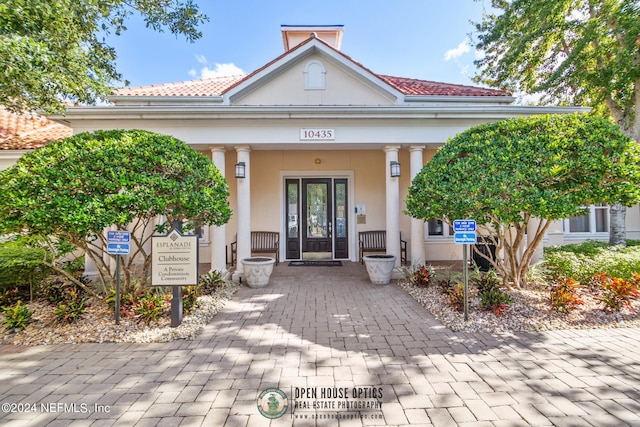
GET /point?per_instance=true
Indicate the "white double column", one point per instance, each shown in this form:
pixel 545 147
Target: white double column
pixel 218 234
pixel 417 225
pixel 243 209
pixel 393 203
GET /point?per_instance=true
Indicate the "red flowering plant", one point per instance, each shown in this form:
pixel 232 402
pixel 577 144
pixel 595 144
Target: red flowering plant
pixel 616 293
pixel 423 276
pixel 564 294
pixel 419 275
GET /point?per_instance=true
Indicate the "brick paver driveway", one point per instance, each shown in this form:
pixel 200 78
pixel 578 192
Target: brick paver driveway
pixel 319 335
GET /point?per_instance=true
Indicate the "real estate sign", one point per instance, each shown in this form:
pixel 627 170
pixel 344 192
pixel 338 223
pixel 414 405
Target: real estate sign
pixel 174 260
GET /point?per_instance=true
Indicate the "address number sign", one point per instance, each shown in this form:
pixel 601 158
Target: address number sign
pixel 317 134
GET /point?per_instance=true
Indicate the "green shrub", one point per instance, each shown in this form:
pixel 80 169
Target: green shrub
pixel 150 307
pixel 11 296
pixel 590 247
pixel 445 285
pixel 419 275
pixel 70 299
pixel 492 297
pixel 537 274
pixel 21 265
pixel 456 296
pixel 211 281
pixel 128 302
pixel 72 307
pixel 619 262
pixel 16 317
pixel 59 290
pixel 582 261
pixel 190 296
pixel 564 296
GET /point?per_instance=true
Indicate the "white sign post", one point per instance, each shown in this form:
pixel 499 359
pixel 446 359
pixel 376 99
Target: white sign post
pixel 174 262
pixel 118 244
pixel 464 234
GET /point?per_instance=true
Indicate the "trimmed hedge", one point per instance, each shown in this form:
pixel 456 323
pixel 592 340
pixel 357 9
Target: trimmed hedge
pixel 582 261
pixel 20 264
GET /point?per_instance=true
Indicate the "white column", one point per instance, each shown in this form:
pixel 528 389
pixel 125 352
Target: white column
pixel 91 269
pixel 244 210
pixel 417 225
pixel 393 203
pixel 217 234
pixel 532 227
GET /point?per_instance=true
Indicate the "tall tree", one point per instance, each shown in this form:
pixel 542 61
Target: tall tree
pixel 55 51
pixel 70 191
pixel 584 52
pixel 506 173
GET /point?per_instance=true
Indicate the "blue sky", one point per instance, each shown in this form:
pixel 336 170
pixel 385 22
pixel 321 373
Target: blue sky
pixel 425 39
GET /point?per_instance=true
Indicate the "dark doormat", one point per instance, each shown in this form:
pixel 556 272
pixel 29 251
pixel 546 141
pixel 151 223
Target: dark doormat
pixel 320 263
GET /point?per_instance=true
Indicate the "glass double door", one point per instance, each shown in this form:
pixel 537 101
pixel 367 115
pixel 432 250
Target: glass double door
pixel 317 218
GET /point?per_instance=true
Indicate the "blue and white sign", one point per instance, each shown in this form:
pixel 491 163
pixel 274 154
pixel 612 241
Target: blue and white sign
pixel 464 238
pixel 118 248
pixel 118 236
pixel 118 242
pixel 464 225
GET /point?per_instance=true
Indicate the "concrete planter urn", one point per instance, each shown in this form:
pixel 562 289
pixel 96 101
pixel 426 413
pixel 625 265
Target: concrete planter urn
pixel 379 268
pixel 257 271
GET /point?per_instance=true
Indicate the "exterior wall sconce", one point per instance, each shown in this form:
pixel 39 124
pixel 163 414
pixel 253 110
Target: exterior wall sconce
pixel 240 170
pixel 395 169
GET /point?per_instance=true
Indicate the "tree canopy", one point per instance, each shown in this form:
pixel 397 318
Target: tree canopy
pixel 503 174
pixel 573 51
pixel 74 189
pixel 55 51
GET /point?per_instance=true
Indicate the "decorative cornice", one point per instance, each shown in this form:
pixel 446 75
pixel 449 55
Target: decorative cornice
pixel 208 112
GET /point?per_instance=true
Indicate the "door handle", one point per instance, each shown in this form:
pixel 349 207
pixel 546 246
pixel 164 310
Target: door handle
pixel 330 228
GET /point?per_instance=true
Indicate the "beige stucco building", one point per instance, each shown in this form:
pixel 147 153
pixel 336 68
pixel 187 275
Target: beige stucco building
pixel 317 133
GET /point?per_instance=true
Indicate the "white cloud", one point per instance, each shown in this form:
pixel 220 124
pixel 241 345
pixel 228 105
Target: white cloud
pixel 208 71
pixel 462 48
pixel 221 70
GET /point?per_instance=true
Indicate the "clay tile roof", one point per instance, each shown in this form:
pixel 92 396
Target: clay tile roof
pixel 430 88
pixel 28 131
pixel 204 87
pixel 220 85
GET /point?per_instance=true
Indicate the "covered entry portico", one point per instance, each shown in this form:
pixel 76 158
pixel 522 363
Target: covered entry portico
pixel 318 211
pixel 317 133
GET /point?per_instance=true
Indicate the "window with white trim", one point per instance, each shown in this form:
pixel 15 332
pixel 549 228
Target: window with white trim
pixel 437 228
pixel 596 220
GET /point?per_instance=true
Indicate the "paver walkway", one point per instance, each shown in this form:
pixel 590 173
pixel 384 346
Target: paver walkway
pixel 321 330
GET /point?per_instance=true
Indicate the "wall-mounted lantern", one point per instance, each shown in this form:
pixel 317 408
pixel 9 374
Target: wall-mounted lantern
pixel 395 169
pixel 240 170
